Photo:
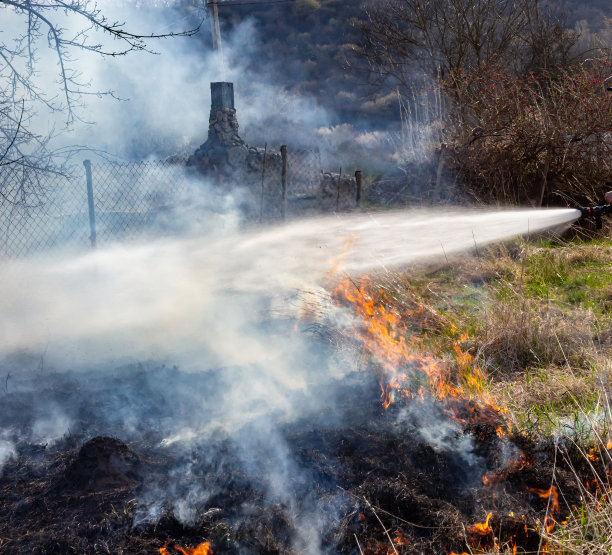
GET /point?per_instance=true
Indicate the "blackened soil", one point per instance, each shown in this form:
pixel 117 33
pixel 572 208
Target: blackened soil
pixel 334 481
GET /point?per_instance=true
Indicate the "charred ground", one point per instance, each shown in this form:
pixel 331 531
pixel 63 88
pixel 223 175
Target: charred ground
pixel 87 491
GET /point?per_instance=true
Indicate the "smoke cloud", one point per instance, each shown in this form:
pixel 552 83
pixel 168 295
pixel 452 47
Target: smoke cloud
pixel 207 347
pixel 160 102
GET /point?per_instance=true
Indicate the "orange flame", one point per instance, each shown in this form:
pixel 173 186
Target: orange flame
pixel 553 494
pixel 482 528
pixel 202 549
pixel 408 369
pixel 399 539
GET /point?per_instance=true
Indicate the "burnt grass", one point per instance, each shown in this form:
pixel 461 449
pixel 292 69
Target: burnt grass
pixel 350 468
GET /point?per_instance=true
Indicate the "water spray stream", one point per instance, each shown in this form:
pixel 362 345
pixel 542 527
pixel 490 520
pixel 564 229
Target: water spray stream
pixel 161 293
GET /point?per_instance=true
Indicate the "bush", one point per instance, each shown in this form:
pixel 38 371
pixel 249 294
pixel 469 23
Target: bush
pixel 540 139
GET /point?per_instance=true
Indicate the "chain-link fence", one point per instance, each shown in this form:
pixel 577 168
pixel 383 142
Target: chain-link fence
pixel 100 202
pixel 304 171
pixel 47 210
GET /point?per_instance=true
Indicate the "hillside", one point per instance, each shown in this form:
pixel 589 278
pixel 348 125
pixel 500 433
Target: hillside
pixel 307 47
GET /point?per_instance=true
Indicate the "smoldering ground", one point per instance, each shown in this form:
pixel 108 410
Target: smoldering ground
pixel 249 412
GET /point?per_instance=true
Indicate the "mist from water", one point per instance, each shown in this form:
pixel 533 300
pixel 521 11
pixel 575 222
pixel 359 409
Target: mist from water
pixel 161 297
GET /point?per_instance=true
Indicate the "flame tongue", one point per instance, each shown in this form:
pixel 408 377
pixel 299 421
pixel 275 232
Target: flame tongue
pixel 202 549
pixel 552 494
pixel 482 528
pixel 408 370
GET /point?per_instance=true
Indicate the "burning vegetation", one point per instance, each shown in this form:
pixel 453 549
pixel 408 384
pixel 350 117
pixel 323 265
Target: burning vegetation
pixel 412 448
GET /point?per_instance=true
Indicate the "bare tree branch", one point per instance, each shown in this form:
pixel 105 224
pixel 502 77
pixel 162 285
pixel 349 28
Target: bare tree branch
pixel 21 97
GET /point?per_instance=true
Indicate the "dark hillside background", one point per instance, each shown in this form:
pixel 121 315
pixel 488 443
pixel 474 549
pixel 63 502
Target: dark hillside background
pixel 307 47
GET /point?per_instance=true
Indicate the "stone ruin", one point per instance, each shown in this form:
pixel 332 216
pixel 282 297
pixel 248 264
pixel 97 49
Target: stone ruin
pixel 228 161
pixel 225 156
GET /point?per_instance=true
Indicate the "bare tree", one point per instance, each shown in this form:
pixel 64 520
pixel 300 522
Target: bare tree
pixel 443 36
pixel 42 23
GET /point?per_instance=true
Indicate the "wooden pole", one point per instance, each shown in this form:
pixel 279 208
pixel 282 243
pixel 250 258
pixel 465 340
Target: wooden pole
pixel 263 174
pixel 213 12
pixel 283 150
pixel 358 193
pixel 90 202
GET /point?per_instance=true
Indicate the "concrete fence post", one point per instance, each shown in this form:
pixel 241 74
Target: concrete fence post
pixel 90 202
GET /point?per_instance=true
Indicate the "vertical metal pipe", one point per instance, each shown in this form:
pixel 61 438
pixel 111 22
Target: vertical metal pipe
pixel 263 175
pixel 283 150
pixel 90 202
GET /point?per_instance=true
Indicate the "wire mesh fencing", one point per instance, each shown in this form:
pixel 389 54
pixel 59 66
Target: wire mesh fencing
pixel 312 189
pixel 102 202
pixel 37 209
pixel 46 210
pixel 304 171
pixel 136 197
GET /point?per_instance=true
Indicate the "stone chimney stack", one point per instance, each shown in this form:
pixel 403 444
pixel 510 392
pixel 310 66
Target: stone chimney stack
pixel 223 123
pixel 222 95
pixel 224 156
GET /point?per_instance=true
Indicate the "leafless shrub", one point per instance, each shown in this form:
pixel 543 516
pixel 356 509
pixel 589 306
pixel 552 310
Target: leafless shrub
pixel 541 139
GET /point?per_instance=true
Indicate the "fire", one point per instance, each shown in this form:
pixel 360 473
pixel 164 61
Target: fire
pixel 399 539
pixel 409 370
pixel 553 494
pixel 482 528
pixel 202 549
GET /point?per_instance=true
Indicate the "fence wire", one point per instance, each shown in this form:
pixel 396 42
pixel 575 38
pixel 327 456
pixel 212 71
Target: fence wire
pixel 303 173
pixel 42 211
pixel 136 197
pixel 50 210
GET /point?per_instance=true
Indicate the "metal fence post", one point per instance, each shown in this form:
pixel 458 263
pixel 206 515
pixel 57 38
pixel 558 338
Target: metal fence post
pixel 358 193
pixel 90 202
pixel 283 150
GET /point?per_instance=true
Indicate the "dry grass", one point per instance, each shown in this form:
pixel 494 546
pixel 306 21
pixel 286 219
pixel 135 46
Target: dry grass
pixel 539 318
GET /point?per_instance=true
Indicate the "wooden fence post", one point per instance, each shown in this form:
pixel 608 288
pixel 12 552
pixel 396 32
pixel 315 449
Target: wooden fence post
pixel 283 150
pixel 90 202
pixel 338 190
pixel 358 193
pixel 263 175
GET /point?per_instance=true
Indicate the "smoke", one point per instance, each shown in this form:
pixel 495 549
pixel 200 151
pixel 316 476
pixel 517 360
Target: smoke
pixel 7 451
pixel 428 421
pixel 51 425
pixel 207 347
pixel 198 344
pixel 160 102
